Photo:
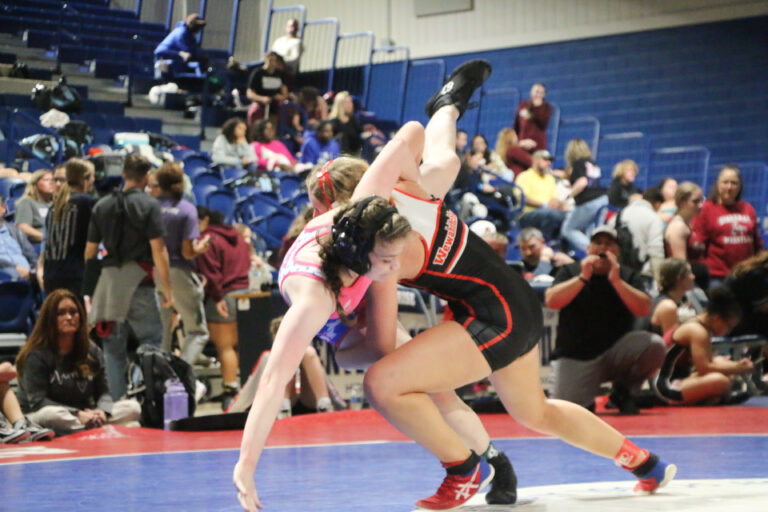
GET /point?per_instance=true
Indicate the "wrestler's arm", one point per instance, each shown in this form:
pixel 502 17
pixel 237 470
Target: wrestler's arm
pixel 395 162
pixel 311 306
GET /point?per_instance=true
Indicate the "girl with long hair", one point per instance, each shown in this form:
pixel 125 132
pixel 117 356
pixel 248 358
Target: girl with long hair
pixel 66 228
pixel 33 206
pixel 62 378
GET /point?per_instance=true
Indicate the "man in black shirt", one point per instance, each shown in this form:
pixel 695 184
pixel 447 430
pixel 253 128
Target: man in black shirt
pixel 130 225
pixel 598 302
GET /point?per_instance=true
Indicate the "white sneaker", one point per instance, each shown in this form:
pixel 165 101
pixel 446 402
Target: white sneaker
pixel 200 391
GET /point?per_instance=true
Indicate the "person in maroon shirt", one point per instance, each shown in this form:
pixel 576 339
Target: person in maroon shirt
pixel 727 226
pixel 532 120
pixel 225 267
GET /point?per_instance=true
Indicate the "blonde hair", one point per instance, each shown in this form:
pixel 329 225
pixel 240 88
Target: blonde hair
pixel 76 171
pixel 621 168
pixel 506 138
pixel 338 105
pixel 31 192
pixel 344 174
pixel 577 149
pixel 684 192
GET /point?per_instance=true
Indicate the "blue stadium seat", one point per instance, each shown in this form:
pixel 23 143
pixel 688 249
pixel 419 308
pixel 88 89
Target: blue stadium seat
pixel 223 201
pixel 207 178
pixel 201 193
pixel 17 307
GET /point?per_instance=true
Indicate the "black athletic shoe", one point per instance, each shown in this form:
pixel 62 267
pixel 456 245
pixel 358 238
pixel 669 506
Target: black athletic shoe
pixel 622 400
pixel 36 432
pixel 460 86
pixel 504 484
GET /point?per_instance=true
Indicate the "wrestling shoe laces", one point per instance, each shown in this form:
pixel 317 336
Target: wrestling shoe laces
pixel 458 489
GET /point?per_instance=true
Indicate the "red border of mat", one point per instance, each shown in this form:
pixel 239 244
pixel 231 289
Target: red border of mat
pixel 368 426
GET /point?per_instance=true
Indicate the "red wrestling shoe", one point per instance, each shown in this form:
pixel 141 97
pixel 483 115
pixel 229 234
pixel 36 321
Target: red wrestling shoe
pixel 458 489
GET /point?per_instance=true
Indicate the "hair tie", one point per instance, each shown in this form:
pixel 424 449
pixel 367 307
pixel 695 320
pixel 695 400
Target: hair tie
pixel 323 176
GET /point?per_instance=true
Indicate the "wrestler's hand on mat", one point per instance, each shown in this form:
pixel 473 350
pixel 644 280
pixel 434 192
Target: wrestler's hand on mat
pixel 246 489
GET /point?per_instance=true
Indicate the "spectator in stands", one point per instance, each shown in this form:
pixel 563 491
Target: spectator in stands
pixel 231 148
pixel 184 244
pixel 513 156
pixel 543 209
pixel 532 120
pixel 705 379
pixel 749 282
pixel 66 230
pixel 623 190
pixel 33 206
pixel 59 178
pixel 18 428
pixel 180 48
pixel 589 196
pixel 320 148
pixel 538 257
pixel 679 240
pixel 493 160
pixel 727 226
pixel 461 142
pixel 314 105
pixel 62 376
pixel 289 46
pixel 346 127
pixel 668 187
pixel 153 187
pixel 130 225
pixel 647 230
pixel 17 256
pixel 598 301
pixel 225 267
pixel 675 280
pixel 266 89
pixel 270 153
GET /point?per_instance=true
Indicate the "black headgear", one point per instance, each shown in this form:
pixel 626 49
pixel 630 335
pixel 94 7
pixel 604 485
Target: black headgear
pixel 352 241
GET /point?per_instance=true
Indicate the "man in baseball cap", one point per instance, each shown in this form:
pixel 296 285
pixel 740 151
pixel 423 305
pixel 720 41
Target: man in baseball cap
pixel 599 301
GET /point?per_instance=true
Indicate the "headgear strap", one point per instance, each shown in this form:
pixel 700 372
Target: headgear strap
pixel 323 177
pixel 352 241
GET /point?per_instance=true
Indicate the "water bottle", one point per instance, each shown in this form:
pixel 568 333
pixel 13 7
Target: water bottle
pixel 254 277
pixel 175 402
pixel 355 396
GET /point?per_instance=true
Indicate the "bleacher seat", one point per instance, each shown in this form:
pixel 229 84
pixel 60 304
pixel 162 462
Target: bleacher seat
pixel 17 307
pixel 223 201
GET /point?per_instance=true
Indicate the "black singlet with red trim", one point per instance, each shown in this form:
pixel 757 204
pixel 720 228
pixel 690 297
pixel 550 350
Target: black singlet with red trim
pixel 493 302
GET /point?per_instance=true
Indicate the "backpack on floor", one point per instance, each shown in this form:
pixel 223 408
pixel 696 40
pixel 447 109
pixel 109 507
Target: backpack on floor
pixel 146 382
pixel 629 253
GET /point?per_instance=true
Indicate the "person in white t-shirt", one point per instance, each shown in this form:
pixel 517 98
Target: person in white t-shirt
pixel 289 46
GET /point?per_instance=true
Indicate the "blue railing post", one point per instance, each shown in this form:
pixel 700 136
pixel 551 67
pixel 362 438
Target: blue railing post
pixel 169 15
pixel 233 27
pixel 132 54
pixel 203 7
pixel 204 104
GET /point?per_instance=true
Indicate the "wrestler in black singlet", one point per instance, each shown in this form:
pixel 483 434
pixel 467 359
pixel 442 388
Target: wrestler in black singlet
pixel 494 303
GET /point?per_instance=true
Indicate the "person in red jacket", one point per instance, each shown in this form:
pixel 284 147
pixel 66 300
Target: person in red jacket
pixel 225 267
pixel 727 226
pixel 532 120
